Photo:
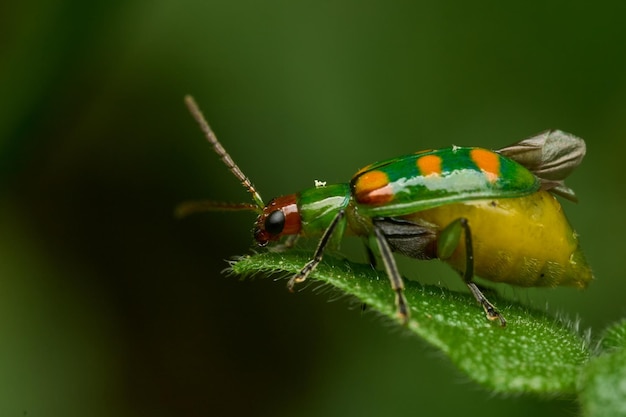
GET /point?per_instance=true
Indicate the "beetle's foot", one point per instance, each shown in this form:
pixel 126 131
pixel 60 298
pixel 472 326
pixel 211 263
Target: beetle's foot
pixel 279 248
pixel 493 314
pixel 490 310
pixel 296 279
pixel 285 246
pixel 402 307
pixel 404 319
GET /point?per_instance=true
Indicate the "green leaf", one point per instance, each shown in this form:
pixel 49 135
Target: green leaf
pixel 535 353
pixel 604 379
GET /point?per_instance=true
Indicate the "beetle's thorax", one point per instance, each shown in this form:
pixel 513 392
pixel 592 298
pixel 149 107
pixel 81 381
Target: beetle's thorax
pixel 308 213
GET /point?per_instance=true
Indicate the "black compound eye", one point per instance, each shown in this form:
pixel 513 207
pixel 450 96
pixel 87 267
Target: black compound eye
pixel 275 222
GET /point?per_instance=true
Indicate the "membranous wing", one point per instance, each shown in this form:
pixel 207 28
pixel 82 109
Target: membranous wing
pixel 551 155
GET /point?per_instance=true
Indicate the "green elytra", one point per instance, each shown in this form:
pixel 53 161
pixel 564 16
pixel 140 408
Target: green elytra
pixel 438 204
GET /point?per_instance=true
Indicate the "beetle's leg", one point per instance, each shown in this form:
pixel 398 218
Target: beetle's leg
pixel 392 272
pixel 287 244
pixel 446 245
pixel 319 253
pixel 371 258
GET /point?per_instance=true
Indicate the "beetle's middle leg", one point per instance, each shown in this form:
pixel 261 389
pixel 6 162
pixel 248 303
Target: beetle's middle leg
pixel 447 243
pixel 394 275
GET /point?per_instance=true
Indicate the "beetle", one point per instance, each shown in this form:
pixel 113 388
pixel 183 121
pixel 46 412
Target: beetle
pixel 487 213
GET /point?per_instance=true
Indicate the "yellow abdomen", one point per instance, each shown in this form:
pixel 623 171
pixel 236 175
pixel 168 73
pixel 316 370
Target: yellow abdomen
pixel 524 241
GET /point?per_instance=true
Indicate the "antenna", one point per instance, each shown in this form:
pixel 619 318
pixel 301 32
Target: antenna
pixel 226 158
pixel 186 208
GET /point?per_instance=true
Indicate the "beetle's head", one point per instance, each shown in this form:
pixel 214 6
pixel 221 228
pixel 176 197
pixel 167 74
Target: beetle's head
pixel 280 217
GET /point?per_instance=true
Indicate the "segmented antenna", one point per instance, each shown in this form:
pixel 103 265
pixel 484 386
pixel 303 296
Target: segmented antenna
pixel 219 149
pixel 186 208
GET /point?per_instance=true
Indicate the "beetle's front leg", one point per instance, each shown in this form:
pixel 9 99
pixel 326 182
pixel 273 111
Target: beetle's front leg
pixel 319 252
pixel 447 243
pixel 289 243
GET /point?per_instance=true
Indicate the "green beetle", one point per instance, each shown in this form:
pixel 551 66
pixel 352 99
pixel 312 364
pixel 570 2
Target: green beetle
pixel 486 213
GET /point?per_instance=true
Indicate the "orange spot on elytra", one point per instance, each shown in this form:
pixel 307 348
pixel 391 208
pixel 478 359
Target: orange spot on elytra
pixel 373 188
pixel 488 162
pixel 429 165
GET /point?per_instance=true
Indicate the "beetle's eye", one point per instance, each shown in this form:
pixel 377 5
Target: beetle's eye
pixel 275 222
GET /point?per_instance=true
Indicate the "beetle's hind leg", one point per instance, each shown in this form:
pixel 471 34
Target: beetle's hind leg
pixel 447 243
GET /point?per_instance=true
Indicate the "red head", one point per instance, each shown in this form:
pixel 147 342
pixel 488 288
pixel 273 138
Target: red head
pixel 280 217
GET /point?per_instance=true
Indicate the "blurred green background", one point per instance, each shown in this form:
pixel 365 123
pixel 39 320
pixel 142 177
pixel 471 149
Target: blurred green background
pixel 109 306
